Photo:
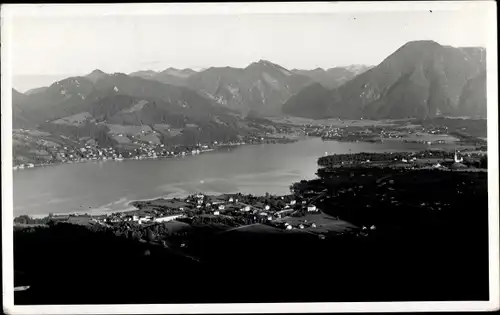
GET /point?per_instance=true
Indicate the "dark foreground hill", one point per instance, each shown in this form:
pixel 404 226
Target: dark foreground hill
pixel 430 244
pixel 421 79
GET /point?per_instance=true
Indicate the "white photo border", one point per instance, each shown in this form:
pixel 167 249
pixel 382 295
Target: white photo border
pixel 10 10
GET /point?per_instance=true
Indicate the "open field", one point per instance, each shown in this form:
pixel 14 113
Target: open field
pixel 128 129
pixel 74 120
pixel 332 122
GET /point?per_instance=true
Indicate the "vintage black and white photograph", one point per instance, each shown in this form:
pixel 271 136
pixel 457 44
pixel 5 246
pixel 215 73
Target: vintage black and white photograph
pixel 191 155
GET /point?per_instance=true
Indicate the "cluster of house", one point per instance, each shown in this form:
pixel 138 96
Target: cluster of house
pixel 141 219
pixel 96 153
pixel 215 205
pixel 425 141
pixel 300 226
pixel 233 204
pixel 144 151
pixel 23 166
pixel 331 132
pixel 86 153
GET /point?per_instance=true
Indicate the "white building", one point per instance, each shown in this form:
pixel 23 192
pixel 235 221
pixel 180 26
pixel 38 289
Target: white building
pixel 216 212
pixel 222 207
pixel 312 209
pixel 267 207
pixel 457 159
pixel 231 199
pixel 293 202
pixel 168 218
pixel 247 208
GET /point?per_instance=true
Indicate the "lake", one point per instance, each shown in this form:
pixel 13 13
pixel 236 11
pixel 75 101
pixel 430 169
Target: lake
pixel 97 187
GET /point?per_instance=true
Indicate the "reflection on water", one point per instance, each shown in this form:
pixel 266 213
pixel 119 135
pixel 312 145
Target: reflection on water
pixel 110 186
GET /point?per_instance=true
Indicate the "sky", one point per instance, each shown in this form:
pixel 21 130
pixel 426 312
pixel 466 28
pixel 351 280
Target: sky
pixel 47 48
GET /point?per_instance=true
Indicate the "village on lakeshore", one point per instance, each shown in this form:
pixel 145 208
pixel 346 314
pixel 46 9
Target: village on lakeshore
pixel 50 152
pixel 297 211
pixel 459 133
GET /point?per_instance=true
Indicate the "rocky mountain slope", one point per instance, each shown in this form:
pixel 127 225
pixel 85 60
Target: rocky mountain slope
pixel 261 88
pixel 473 97
pixel 333 77
pixel 420 79
pixel 120 109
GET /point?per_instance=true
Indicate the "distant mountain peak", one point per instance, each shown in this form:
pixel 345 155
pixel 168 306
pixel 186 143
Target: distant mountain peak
pixel 422 42
pixel 186 70
pixel 420 46
pixel 147 71
pixel 180 73
pixel 95 75
pixel 262 62
pixel 420 79
pixel 97 72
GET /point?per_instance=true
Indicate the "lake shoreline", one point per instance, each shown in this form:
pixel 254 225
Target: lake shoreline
pixel 184 185
pixel 148 204
pixel 204 151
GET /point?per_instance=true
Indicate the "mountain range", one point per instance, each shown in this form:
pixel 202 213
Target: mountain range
pixel 421 79
pixel 171 76
pixel 333 77
pixel 118 108
pixel 261 88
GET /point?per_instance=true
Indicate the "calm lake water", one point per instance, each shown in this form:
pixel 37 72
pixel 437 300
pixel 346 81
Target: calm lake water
pixel 96 187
